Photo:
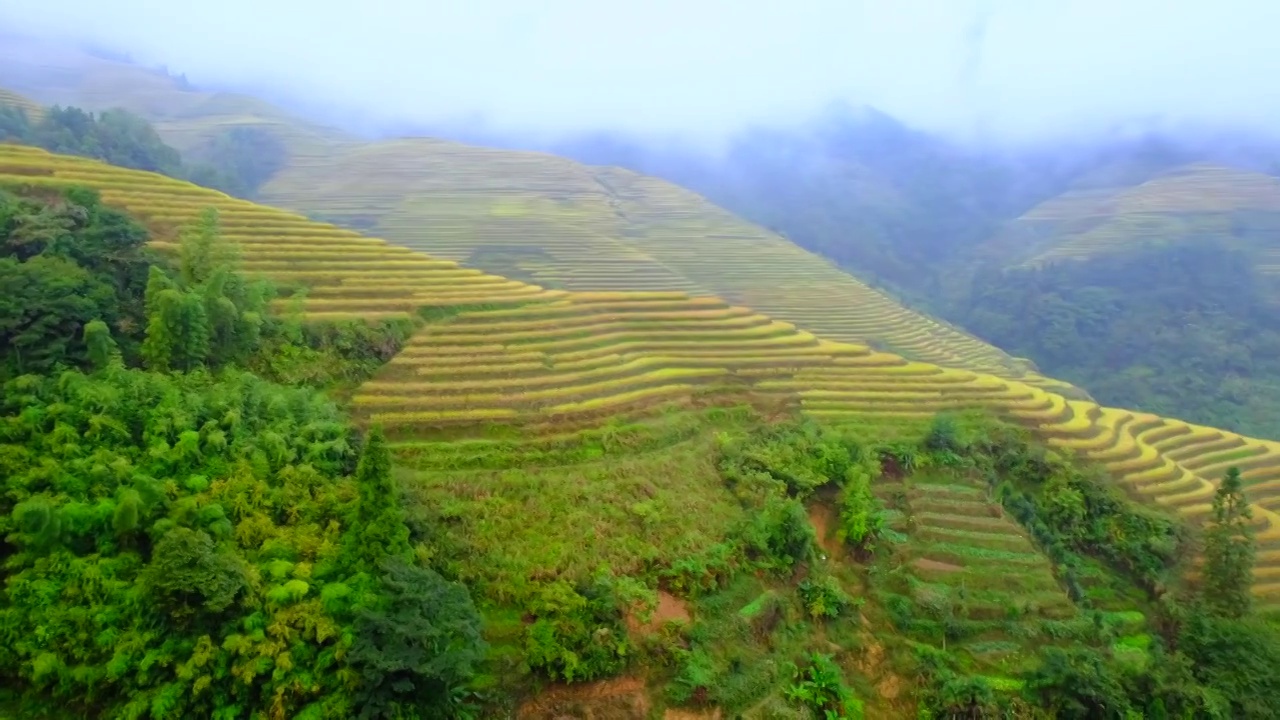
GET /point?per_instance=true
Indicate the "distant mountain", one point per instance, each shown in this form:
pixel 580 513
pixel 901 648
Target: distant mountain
pixel 1160 294
pixel 1234 207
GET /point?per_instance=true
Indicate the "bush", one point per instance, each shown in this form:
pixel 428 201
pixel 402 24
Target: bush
pixel 819 686
pixel 824 598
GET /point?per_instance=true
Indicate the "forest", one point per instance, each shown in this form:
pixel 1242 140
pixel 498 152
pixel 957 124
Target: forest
pixel 1188 330
pixel 183 537
pixel 236 161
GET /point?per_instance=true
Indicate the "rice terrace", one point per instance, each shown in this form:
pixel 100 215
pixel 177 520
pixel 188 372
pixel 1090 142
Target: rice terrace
pixel 429 429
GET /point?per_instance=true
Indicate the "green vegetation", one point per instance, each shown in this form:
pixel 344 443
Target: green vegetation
pixel 184 538
pixel 573 486
pixel 236 161
pixel 1187 331
pixel 64 264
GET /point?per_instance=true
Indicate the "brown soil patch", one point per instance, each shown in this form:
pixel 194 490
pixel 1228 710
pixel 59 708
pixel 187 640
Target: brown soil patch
pixel 823 518
pixel 890 687
pixel 616 699
pixel 678 714
pixel 669 608
pixel 871 664
pixel 938 565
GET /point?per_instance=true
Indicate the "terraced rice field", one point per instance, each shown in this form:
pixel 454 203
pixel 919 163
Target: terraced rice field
pixel 524 215
pixel 185 118
pixel 556 223
pixel 531 217
pixel 965 559
pixel 346 274
pixel 511 354
pixel 1194 200
pixel 12 99
pixel 572 361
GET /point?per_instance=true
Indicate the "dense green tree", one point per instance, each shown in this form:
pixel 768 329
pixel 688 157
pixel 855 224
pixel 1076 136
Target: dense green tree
pixel 46 303
pixel 211 315
pixel 1229 550
pixel 114 136
pixel 1079 683
pixel 418 648
pixel 239 160
pixel 14 124
pixel 66 260
pixel 1187 330
pixel 382 532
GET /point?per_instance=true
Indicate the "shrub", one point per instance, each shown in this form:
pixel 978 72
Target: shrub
pixel 824 598
pixel 819 686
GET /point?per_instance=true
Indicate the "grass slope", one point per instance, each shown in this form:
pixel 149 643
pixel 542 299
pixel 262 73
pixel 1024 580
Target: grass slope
pixel 511 365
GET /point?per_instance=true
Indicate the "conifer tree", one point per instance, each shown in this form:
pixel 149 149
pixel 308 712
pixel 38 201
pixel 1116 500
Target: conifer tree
pixel 382 532
pixel 1229 550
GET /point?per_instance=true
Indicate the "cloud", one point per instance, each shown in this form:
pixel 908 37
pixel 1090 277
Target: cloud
pixel 999 68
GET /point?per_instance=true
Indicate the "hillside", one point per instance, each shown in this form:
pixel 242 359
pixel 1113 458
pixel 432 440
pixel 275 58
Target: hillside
pixel 542 435
pixel 188 119
pixel 11 99
pixel 563 225
pixel 529 216
pixel 677 462
pixel 504 352
pixel 1158 295
pixel 1191 201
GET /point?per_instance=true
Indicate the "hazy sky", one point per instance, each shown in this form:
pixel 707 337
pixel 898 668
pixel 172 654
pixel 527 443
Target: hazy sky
pixel 1013 68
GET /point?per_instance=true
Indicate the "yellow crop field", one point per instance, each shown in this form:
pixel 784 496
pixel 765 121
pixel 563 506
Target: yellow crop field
pixel 610 236
pixel 11 99
pixel 328 266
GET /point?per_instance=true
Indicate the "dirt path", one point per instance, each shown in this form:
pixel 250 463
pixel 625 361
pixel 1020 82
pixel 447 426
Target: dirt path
pixel 824 519
pixel 616 699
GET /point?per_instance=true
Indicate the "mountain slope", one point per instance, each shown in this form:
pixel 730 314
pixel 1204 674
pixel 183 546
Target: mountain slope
pixel 560 224
pixel 530 216
pixel 188 119
pixel 12 99
pixel 1192 201
pixel 1158 295
pixel 497 354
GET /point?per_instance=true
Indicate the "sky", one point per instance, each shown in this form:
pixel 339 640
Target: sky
pixel 702 68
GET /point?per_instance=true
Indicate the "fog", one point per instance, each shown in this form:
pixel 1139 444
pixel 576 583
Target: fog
pixel 699 69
